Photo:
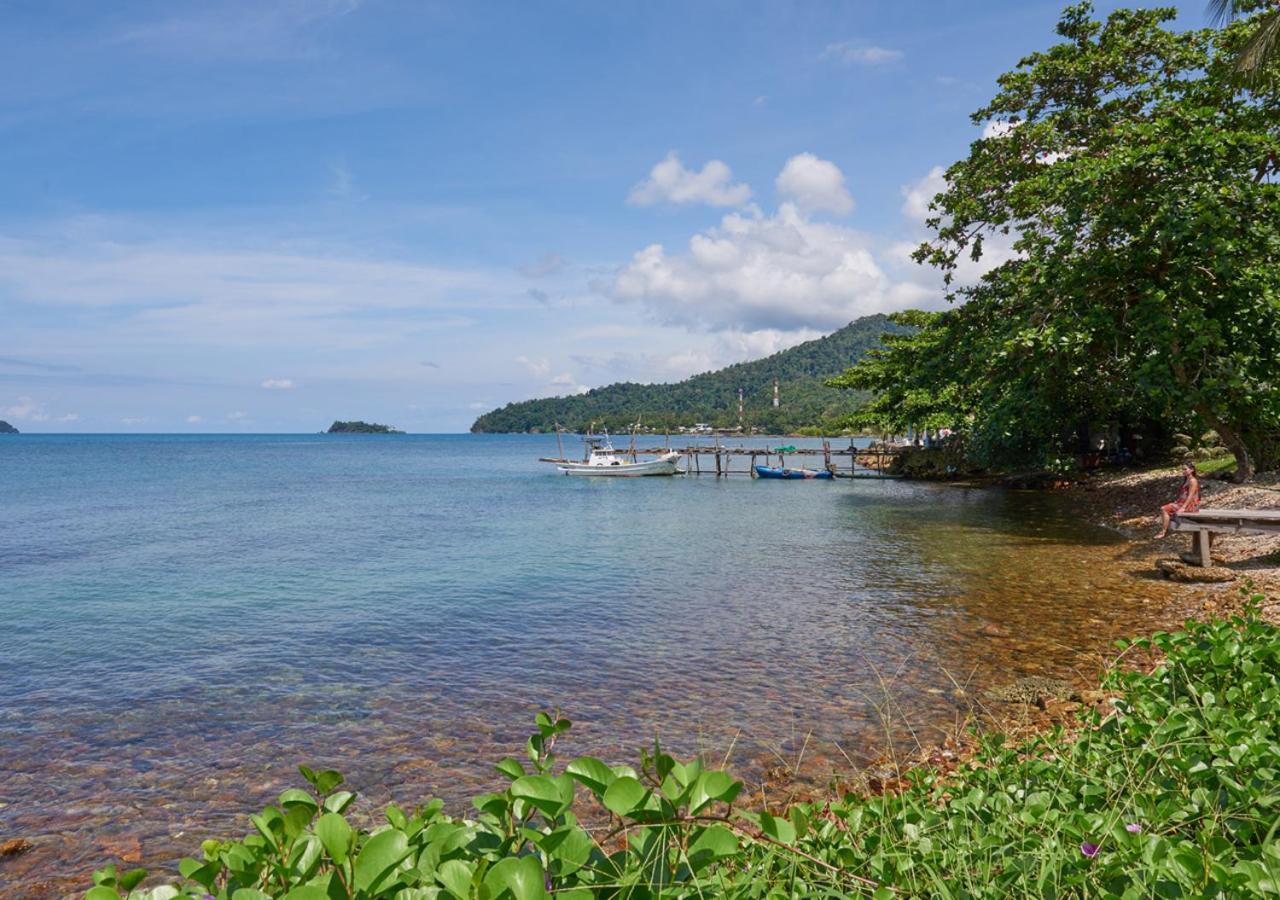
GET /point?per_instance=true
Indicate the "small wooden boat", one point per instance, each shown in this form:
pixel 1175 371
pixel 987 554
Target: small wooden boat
pixel 602 459
pixel 780 472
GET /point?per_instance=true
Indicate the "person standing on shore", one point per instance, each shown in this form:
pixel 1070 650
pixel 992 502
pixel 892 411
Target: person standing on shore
pixel 1188 499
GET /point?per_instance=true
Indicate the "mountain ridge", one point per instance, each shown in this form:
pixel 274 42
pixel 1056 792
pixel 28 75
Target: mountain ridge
pixel 712 397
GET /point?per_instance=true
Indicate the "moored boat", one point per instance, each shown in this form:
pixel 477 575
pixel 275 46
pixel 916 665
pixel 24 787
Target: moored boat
pixel 798 474
pixel 603 460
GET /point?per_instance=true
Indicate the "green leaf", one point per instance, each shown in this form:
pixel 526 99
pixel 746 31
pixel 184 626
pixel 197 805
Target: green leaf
pixel 249 894
pixel 102 892
pixel 511 768
pixel 711 787
pixel 591 773
pixel 520 876
pixel 378 859
pixel 335 834
pixel 715 843
pixel 456 876
pixel 338 802
pixel 307 892
pixel 568 845
pixel 550 796
pixel 625 796
pixel 130 880
pixel 777 828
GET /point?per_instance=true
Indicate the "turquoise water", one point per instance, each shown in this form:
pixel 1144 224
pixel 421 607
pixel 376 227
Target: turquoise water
pixel 188 617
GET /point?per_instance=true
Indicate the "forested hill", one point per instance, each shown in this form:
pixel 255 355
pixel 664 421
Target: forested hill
pixel 713 396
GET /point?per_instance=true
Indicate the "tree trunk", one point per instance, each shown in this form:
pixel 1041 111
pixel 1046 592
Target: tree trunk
pixel 1232 440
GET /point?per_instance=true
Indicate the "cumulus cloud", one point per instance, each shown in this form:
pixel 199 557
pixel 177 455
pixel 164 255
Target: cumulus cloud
pixel 816 185
pixel 851 53
pixel 278 384
pixel 670 182
pixel 917 195
pixel 755 271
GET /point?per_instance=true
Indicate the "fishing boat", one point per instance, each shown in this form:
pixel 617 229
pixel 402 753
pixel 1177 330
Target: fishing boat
pixel 602 459
pixel 799 474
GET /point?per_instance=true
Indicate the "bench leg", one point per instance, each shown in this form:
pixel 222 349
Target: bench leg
pixel 1202 544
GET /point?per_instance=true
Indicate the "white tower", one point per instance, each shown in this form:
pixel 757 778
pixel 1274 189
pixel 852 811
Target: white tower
pixel 776 401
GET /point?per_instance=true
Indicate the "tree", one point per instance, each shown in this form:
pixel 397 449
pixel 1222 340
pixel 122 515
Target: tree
pixel 1138 179
pixel 1262 48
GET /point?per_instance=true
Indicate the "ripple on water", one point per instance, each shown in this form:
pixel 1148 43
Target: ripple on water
pixel 186 620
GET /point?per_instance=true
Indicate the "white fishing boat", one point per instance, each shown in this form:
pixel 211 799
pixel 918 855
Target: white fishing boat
pixel 602 459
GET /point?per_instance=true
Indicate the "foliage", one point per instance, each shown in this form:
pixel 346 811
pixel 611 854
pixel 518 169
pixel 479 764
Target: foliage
pixel 1176 792
pixel 358 427
pixel 712 397
pixel 1139 182
pixel 1262 49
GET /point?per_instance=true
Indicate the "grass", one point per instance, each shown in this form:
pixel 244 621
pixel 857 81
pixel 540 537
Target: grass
pixel 1171 790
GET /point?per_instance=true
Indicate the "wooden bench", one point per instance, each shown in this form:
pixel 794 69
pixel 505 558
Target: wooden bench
pixel 1208 522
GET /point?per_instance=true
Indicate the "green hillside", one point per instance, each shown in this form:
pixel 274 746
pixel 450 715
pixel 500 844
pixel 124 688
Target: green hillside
pixel 713 396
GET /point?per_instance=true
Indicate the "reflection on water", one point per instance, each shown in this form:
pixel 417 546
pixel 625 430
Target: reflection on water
pixel 187 619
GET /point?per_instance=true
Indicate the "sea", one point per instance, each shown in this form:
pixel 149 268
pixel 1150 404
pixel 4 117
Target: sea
pixel 186 618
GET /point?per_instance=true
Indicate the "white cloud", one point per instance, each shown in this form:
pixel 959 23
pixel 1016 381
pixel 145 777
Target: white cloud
pixel 539 368
pixel 133 420
pixel 755 272
pixel 861 54
pixel 670 182
pixel 194 420
pixel 69 417
pixel 238 416
pixel 278 384
pixel 816 185
pixel 920 193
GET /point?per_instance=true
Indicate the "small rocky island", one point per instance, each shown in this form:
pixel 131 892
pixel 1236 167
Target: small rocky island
pixel 6 428
pixel 358 427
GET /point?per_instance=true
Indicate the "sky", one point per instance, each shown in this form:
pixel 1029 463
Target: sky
pixel 264 215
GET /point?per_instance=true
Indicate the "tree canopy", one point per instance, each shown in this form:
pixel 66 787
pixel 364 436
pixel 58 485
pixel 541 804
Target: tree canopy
pixel 1137 178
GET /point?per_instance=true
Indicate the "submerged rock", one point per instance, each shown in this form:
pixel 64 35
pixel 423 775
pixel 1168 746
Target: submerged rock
pixel 14 847
pixel 1177 570
pixel 1032 689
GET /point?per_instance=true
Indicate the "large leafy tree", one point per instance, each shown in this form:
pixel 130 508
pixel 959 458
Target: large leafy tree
pixel 1138 180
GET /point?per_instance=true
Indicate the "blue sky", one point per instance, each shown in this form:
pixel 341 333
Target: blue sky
pixel 261 216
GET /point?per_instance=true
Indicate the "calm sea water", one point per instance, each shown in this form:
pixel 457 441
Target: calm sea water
pixel 185 618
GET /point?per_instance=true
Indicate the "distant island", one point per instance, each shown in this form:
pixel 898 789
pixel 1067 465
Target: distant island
pixel 6 428
pixel 804 400
pixel 358 427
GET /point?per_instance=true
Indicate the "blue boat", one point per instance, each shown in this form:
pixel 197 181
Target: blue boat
pixel 780 472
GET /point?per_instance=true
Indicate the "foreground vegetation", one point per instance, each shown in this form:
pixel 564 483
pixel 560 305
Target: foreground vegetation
pixel 712 397
pixel 1175 791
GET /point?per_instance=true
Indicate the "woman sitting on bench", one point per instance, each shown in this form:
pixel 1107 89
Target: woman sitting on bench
pixel 1188 499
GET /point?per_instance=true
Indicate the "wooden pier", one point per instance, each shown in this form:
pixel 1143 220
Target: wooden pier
pixel 724 460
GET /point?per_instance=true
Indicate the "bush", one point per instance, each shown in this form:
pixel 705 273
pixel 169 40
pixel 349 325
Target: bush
pixel 1175 793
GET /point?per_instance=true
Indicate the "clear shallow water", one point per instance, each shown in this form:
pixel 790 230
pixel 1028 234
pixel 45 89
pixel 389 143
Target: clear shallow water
pixel 186 618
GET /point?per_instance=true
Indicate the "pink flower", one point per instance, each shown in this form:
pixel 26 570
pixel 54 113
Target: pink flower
pixel 1089 850
pixel 1134 828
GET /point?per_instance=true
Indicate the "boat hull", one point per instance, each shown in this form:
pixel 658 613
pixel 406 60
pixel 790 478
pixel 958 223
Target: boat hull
pixel 793 474
pixel 663 465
